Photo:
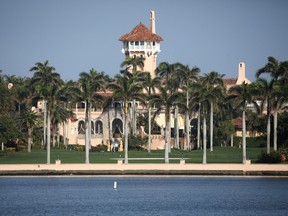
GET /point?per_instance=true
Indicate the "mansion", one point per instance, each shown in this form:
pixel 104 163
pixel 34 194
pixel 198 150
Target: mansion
pixel 107 125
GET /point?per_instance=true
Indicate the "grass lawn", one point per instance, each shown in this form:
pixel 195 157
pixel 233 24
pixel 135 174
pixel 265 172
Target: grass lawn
pixel 219 155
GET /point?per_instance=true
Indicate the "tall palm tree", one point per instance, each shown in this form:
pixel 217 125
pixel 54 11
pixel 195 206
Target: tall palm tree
pixel 170 79
pixel 278 70
pixel 46 80
pixel 201 100
pixel 126 89
pixel 67 94
pixel 150 86
pixel 265 90
pixel 213 79
pixel 187 77
pixel 136 62
pixel 30 120
pixel 242 95
pixel 166 101
pixel 90 84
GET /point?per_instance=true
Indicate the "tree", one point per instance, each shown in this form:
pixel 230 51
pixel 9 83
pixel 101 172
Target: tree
pixel 46 81
pixel 150 86
pixel 90 84
pixel 126 89
pixel 265 89
pixel 166 101
pixel 213 79
pixel 278 71
pixel 200 100
pixel 242 95
pixel 136 62
pixel 30 120
pixel 187 77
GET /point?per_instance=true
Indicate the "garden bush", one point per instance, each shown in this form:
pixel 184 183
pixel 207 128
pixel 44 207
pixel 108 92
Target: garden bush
pixel 273 157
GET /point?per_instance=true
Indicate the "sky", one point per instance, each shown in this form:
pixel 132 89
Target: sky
pixel 78 35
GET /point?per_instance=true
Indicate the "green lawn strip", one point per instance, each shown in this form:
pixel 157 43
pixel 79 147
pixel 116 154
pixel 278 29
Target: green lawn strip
pixel 219 155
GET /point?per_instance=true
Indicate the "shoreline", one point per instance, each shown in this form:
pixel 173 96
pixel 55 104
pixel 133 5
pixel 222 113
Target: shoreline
pixel 119 169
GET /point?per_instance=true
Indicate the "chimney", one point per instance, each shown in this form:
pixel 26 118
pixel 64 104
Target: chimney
pixel 152 22
pixel 241 71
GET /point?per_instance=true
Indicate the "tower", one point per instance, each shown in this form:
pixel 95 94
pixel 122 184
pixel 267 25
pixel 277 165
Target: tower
pixel 143 42
pixel 241 74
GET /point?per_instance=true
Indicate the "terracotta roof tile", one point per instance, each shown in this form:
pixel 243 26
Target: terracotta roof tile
pixel 140 33
pixel 230 81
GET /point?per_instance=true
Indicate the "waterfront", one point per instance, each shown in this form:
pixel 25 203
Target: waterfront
pixel 143 196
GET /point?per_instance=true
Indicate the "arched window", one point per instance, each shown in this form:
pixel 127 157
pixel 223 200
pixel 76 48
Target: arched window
pixel 117 128
pixel 81 127
pixel 98 127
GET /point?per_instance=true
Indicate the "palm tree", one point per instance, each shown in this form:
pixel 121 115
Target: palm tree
pixel 166 100
pixel 90 84
pixel 126 89
pixel 201 100
pixel 242 95
pixel 67 93
pixel 46 80
pixel 265 90
pixel 278 71
pixel 213 79
pixel 150 86
pixel 135 62
pixel 30 119
pixel 187 77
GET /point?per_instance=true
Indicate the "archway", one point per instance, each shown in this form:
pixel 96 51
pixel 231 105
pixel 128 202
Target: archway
pixel 117 128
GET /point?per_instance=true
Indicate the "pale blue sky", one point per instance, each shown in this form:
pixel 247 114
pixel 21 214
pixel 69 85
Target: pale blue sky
pixel 77 35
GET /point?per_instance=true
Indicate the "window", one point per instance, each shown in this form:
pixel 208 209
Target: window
pixel 81 127
pixel 137 43
pixel 99 127
pixel 153 43
pixel 142 43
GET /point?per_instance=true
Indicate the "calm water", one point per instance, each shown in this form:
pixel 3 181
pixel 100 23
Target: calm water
pixel 143 196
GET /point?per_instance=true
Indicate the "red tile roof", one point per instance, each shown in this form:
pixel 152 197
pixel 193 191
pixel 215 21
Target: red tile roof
pixel 140 33
pixel 230 81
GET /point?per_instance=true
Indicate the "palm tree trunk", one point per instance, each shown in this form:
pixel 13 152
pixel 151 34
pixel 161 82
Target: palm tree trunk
pixel 232 140
pixel 275 130
pixel 198 128
pixel 204 140
pixel 268 133
pixel 176 129
pixel 53 135
pixel 134 117
pixel 65 134
pixel 48 136
pixel 29 139
pixel 45 123
pixel 58 135
pixel 169 133
pixel 187 122
pixel 89 124
pixel 126 137
pixel 167 118
pixel 211 127
pixel 149 129
pixel 86 135
pixel 243 137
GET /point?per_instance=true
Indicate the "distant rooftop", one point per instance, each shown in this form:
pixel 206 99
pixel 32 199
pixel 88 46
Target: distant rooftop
pixel 140 33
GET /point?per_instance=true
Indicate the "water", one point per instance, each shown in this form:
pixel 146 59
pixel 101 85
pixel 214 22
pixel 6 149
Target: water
pixel 143 196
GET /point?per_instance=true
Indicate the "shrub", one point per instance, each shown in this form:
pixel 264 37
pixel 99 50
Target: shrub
pixel 273 157
pixel 136 142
